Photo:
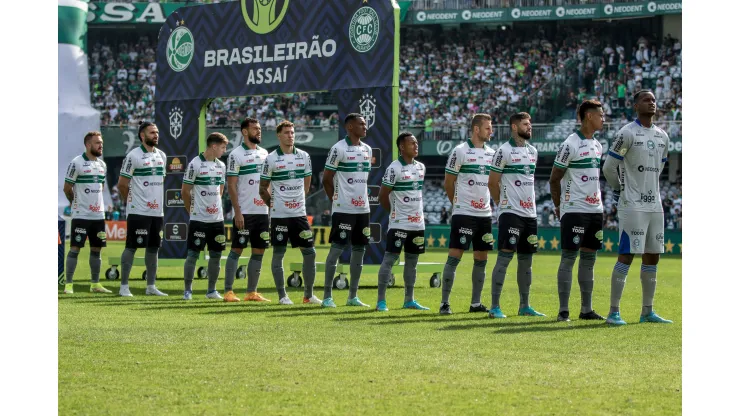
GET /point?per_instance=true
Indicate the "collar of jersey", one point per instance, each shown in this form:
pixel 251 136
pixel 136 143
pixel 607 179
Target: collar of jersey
pixel 637 121
pixel 280 151
pixel 143 149
pixel 84 157
pixel 349 142
pixel 578 132
pixel 244 145
pixel 202 157
pixel 403 162
pixel 512 142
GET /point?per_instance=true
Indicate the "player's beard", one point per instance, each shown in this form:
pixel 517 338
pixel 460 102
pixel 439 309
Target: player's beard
pixel 255 139
pixel 524 134
pixel 150 142
pixel 96 153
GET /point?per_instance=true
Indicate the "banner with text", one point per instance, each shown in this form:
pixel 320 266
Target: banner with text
pixel 518 14
pixel 130 13
pixel 544 147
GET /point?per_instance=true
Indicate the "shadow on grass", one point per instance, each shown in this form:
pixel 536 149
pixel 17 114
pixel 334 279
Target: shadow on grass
pixel 521 327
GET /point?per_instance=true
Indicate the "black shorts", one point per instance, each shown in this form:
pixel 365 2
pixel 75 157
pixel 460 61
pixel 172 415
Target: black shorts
pixel 82 229
pixel 517 233
pixel 256 232
pixel 411 242
pixel 467 228
pixel 354 228
pixel 143 231
pixel 581 230
pixel 211 233
pixel 296 230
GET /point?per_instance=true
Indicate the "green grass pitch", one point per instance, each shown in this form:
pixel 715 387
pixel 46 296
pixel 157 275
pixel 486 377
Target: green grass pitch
pixel 147 355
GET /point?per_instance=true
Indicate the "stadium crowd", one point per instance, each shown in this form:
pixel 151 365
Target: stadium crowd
pixel 445 77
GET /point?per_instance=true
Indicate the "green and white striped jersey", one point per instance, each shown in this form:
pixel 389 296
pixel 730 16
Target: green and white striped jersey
pixel 516 166
pixel 87 178
pixel 471 165
pixel 205 199
pixel 352 166
pixel 579 189
pixel 247 165
pixel 286 173
pixel 146 189
pixel 406 183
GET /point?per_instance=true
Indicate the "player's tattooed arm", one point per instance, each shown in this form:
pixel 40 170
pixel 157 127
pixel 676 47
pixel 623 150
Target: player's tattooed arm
pixel 265 191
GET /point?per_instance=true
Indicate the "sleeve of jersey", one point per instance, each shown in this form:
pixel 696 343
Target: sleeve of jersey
pixel 189 178
pixel 499 161
pixel 621 145
pixel 127 169
pixel 233 168
pixel 453 163
pixel 564 156
pixel 307 171
pixel 266 170
pixel 332 162
pixel 71 176
pixel 389 178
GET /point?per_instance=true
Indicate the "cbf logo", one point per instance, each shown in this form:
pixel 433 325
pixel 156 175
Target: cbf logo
pixel 263 20
pixel 363 29
pixel 175 122
pixel 367 109
pixel 180 48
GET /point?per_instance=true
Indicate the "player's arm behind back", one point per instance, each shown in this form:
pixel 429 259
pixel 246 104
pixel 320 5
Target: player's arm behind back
pixel 614 159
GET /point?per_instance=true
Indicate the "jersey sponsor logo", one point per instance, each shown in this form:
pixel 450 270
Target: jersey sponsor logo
pixel 333 157
pixel 306 234
pixel 356 180
pixel 80 230
pixel 345 227
pixel 411 199
pixel 400 234
pixel 642 168
pixel 472 182
pixel 648 198
pixel 292 204
pixel 252 182
pixel 209 193
pixel 659 237
pixel 584 154
pixel 586 178
pixel 525 183
pixel 599 235
pixel 243 232
pixel 564 153
pixel 487 238
pixel 92 191
pixel 147 183
pixel 637 232
pixel 213 209
pixel 141 231
pixel 258 202
pixel 284 188
pixel 265 235
pixel 478 205
pixel 532 239
pixel 414 218
pixel 281 228
pixel 366 231
pixel 514 231
pixel 232 163
pixel 199 234
pixel 220 238
pixel 71 170
pixel 578 230
pixel 593 199
pixel 359 202
pixel 94 208
pixel 101 235
pixel 152 204
pixel 418 241
pixel 453 160
pixel 528 204
pixel 463 230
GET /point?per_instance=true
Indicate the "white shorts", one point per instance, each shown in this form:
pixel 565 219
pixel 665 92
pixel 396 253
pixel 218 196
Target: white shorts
pixel 640 232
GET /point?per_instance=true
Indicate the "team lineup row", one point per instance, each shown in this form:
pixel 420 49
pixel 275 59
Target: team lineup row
pixel 268 193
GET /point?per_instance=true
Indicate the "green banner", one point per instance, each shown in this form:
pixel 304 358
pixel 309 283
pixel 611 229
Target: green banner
pixel 516 14
pixel 130 13
pixel 119 141
pixel 544 147
pixel 548 239
pixel 404 5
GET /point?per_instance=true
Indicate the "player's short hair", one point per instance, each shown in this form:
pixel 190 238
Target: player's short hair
pixel 90 135
pixel 142 126
pixel 283 125
pixel 478 120
pixel 637 95
pixel 516 118
pixel 587 105
pixel 216 138
pixel 401 137
pixel 352 117
pixel 247 121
